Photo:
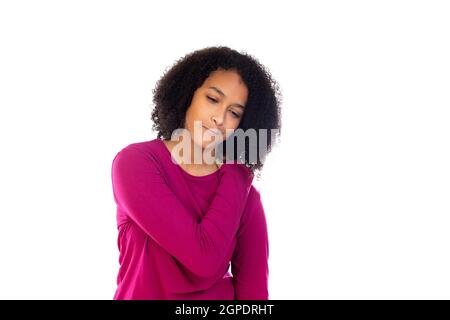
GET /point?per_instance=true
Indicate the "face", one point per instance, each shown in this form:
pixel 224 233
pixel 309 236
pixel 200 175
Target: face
pixel 218 105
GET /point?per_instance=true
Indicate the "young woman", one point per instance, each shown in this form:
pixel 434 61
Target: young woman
pixel 182 223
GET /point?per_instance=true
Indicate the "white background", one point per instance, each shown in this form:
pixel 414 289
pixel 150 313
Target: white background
pixel 357 195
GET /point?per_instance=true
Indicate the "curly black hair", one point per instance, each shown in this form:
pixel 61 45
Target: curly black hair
pixel 174 91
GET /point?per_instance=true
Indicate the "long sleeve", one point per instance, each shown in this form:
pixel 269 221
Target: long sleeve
pixel 249 264
pixel 141 190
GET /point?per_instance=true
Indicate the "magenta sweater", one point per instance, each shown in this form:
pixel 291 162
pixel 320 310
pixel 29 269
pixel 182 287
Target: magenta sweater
pixel 178 234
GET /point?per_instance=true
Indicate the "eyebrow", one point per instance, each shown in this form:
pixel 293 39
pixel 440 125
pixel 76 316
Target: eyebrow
pixel 223 95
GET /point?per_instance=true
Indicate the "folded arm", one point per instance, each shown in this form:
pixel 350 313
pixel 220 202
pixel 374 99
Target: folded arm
pixel 140 189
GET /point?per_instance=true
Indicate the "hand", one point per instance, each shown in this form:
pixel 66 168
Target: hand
pixel 218 163
pixel 239 169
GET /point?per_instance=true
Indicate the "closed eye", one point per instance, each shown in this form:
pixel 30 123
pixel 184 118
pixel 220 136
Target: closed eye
pixel 211 99
pixel 236 115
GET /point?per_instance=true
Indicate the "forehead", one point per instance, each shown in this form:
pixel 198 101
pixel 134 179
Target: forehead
pixel 228 81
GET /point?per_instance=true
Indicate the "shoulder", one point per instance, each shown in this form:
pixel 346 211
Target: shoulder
pixel 139 154
pixel 254 195
pixel 146 147
pixel 151 148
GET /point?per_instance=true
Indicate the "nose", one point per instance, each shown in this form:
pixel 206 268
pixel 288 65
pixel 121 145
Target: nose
pixel 217 119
